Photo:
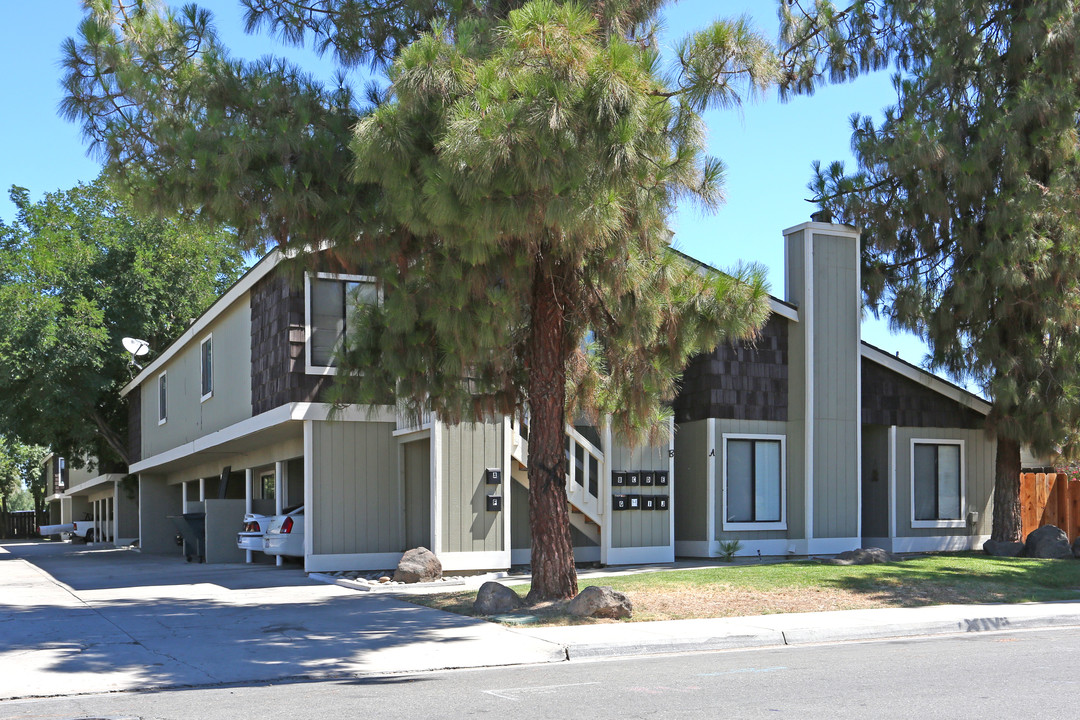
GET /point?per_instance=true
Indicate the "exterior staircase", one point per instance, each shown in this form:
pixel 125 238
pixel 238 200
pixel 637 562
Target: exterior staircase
pixel 583 481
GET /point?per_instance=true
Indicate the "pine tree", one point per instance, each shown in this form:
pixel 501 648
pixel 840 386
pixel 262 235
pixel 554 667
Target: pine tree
pixel 510 189
pixel 531 175
pixel 967 192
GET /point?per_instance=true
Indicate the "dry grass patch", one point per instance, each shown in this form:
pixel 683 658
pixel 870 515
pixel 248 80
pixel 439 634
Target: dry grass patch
pixel 812 587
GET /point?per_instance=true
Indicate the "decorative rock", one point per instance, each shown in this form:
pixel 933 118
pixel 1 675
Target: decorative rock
pixel 384 579
pixel 418 565
pixel 494 598
pixel 1076 547
pixel 1047 542
pixel 862 556
pixel 601 602
pixel 1003 548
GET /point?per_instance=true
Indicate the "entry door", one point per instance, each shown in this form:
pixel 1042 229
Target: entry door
pixel 418 494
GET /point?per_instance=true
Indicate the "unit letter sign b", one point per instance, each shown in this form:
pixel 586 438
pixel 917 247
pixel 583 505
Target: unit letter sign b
pixel 493 476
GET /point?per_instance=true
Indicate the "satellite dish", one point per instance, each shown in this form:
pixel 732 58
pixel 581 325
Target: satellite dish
pixel 136 347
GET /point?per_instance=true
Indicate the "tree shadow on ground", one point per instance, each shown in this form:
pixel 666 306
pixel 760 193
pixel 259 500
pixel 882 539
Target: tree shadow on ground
pixel 962 579
pixel 245 630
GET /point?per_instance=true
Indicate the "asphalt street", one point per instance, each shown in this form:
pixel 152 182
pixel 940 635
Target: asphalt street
pixel 985 676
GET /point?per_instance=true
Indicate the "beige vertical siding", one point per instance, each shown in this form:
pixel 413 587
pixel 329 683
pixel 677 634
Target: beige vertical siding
pixel 469 449
pixel 797 369
pixel 875 481
pixel 794 465
pixel 355 489
pixel 640 528
pixel 691 493
pixel 188 416
pixel 836 369
pixel 978 479
pixel 417 473
pixel 520 534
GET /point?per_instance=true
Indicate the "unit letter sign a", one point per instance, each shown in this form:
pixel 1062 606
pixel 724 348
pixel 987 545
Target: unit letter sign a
pixel 493 476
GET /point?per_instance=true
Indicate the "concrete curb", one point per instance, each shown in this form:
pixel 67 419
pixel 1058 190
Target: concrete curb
pixel 382 587
pixel 685 636
pixel 407 588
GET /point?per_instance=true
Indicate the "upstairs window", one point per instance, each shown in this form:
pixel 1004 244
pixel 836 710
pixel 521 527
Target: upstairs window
pixel 162 402
pixel 937 483
pixel 331 307
pixel 206 355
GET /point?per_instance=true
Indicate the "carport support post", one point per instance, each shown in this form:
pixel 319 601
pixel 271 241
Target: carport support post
pixel 249 477
pixel 279 484
pixel 97 525
pixel 115 496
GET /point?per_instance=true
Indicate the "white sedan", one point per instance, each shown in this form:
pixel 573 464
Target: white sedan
pixel 285 536
pixel 251 537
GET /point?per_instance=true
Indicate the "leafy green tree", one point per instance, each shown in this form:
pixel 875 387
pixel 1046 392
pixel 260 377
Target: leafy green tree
pixel 967 192
pixel 20 464
pixel 511 189
pixel 79 270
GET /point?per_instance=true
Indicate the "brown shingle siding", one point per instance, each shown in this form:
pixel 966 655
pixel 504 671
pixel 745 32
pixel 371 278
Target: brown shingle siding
pixel 740 381
pixel 889 398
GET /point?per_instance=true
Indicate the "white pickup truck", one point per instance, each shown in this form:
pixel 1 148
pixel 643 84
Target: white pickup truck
pixel 85 529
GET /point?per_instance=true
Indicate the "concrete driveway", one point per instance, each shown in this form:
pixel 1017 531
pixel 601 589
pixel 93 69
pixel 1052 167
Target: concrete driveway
pixel 75 619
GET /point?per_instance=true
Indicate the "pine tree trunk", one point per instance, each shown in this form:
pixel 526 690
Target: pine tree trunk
pixel 553 573
pixel 1007 526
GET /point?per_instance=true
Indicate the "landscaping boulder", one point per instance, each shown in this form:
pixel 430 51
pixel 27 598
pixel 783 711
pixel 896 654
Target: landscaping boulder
pixel 862 556
pixel 1076 547
pixel 600 602
pixel 418 565
pixel 495 598
pixel 1048 542
pixel 1003 548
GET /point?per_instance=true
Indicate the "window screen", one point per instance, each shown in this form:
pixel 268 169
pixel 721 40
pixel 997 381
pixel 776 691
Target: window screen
pixel 754 482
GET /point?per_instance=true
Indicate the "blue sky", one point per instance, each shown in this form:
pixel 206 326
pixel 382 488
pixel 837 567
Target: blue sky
pixel 768 146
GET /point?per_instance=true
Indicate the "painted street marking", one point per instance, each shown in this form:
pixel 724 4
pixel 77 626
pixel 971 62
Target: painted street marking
pixel 985 624
pixel 739 671
pixel 540 690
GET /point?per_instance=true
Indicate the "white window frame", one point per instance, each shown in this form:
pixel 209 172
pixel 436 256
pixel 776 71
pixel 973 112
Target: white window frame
pixel 163 412
pixel 769 525
pixel 309 367
pixel 962 521
pixel 202 380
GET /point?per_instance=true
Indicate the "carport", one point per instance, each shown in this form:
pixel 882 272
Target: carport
pixel 224 475
pixel 111 503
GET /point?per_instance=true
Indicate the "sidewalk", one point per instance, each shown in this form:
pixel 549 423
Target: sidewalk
pixel 88 620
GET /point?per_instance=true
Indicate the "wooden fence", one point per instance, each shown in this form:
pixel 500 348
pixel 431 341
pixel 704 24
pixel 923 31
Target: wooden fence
pixel 1049 499
pixel 18 524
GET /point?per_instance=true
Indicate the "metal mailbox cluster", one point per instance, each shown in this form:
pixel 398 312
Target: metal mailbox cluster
pixel 493 476
pixel 639 478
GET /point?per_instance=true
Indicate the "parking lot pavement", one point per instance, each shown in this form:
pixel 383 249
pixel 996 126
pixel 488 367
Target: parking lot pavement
pixel 77 619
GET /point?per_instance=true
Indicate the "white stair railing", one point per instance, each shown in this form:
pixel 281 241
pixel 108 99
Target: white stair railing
pixel 587 467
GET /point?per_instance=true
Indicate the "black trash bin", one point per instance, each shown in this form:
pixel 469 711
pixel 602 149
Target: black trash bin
pixel 192 528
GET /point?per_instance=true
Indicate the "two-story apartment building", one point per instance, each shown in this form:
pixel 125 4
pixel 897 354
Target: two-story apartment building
pixel 807 442
pixel 232 418
pixel 813 442
pixel 93 493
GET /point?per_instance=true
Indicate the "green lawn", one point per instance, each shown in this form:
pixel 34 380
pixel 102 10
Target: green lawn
pixel 811 586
